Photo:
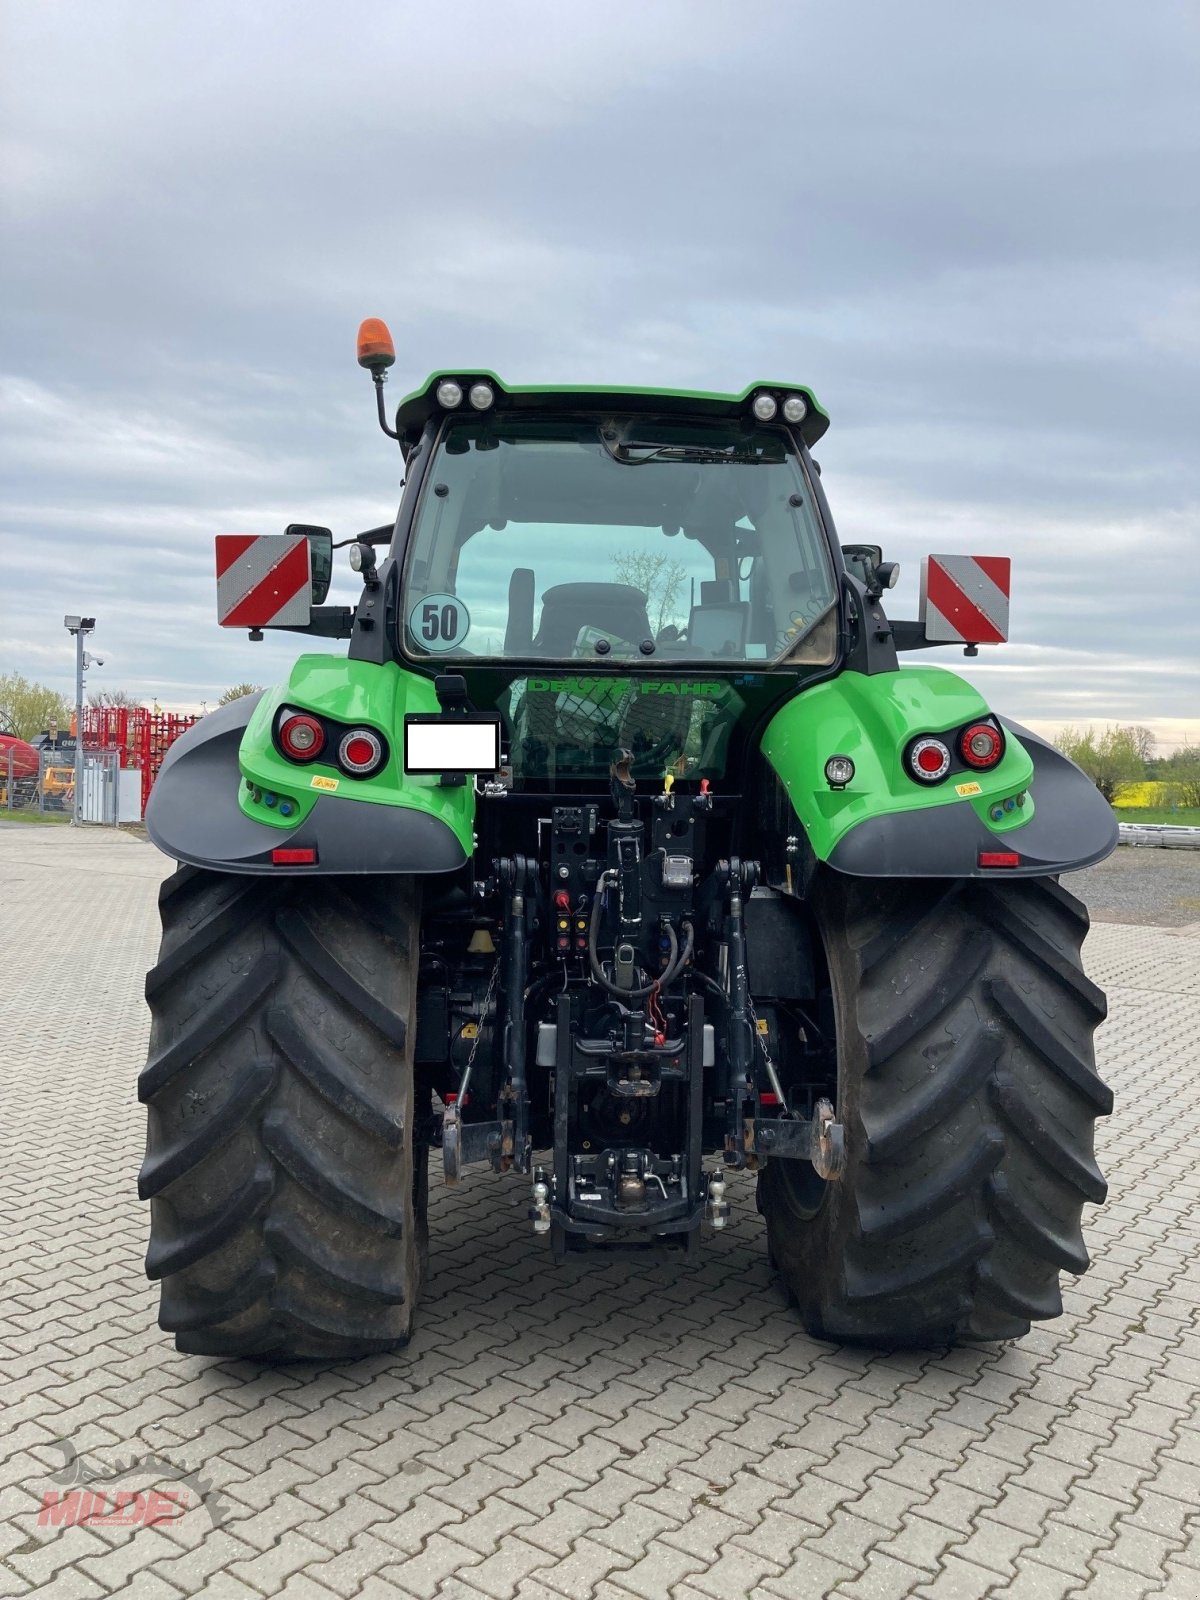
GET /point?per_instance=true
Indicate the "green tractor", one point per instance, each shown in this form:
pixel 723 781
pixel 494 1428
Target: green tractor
pixel 619 855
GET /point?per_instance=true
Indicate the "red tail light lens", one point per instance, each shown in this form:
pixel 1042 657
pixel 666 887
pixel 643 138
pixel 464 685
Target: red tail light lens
pixel 929 760
pixel 999 858
pixel 361 753
pixel 981 745
pixel 302 737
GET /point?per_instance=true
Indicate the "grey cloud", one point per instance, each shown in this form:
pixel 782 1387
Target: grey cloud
pixel 973 231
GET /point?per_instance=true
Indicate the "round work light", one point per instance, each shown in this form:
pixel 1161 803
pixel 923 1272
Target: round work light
pixel 839 771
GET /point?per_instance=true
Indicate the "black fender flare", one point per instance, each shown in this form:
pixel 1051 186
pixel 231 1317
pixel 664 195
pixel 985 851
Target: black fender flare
pixel 194 816
pixel 1072 826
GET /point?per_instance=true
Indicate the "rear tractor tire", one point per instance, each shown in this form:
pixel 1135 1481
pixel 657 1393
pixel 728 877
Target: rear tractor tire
pixel 286 1207
pixel 968 1094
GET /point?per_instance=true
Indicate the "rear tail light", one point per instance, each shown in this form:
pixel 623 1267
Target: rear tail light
pixel 999 858
pixel 981 745
pixel 929 760
pixel 361 753
pixel 294 858
pixel 302 737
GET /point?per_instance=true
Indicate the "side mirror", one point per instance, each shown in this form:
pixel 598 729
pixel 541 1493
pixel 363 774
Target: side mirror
pixel 863 562
pixel 862 559
pixel 866 561
pixel 320 547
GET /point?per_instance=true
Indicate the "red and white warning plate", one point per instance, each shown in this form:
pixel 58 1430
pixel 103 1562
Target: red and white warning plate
pixel 965 598
pixel 263 581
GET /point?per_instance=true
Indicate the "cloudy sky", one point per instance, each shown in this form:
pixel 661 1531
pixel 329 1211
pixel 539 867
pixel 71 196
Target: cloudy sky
pixel 972 230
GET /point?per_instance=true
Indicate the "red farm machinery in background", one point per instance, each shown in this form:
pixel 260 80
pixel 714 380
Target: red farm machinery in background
pixel 140 737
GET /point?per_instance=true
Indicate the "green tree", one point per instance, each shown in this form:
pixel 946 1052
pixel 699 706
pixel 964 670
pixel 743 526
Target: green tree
pixel 1110 759
pixel 237 690
pixel 29 708
pixel 1144 741
pixel 1182 772
pixel 658 577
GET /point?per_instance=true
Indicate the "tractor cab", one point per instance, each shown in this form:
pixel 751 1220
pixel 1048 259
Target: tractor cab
pixel 602 568
pixel 613 537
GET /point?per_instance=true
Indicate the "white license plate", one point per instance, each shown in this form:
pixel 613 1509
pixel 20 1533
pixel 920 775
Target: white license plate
pixel 451 746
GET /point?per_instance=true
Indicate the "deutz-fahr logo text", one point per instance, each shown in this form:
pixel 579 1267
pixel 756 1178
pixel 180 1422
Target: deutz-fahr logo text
pixel 639 685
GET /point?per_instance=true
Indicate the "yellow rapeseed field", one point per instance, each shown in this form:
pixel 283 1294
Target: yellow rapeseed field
pixel 1143 794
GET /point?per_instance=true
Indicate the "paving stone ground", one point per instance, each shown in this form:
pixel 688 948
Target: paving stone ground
pixel 633 1427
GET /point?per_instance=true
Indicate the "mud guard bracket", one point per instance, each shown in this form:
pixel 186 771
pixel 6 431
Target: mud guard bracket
pixel 821 1140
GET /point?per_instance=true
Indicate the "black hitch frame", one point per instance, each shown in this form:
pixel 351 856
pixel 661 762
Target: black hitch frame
pixel 587 1219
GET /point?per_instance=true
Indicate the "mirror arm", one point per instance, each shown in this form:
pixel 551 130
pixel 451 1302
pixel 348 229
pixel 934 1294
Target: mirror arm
pixel 325 622
pixel 381 535
pixel 911 636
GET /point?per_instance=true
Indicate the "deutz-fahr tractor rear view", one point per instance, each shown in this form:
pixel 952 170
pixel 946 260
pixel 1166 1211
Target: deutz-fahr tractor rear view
pixel 620 856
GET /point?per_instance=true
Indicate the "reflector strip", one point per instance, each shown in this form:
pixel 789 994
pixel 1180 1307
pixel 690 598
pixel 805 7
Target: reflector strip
pixel 263 580
pixel 999 858
pixel 294 858
pixel 965 598
pixel 229 547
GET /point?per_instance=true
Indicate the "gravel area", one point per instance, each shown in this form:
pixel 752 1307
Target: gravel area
pixel 639 1427
pixel 1159 888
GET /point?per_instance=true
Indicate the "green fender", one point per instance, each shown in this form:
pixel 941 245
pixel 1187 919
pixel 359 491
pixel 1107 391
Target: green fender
pixel 352 692
pixel 886 824
pixel 226 798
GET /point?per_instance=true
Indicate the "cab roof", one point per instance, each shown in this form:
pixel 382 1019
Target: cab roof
pixel 415 410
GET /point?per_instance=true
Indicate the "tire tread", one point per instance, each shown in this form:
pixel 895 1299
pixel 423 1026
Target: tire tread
pixel 968 1092
pixel 280 1161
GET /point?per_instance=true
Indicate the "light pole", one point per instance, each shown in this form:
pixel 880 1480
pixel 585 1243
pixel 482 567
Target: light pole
pixel 80 627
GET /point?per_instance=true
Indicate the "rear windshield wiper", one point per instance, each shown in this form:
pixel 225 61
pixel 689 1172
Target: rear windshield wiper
pixel 702 453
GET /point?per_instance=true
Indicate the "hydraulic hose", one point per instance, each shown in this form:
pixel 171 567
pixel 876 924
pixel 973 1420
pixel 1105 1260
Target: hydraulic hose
pixel 685 955
pixel 711 983
pixel 677 960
